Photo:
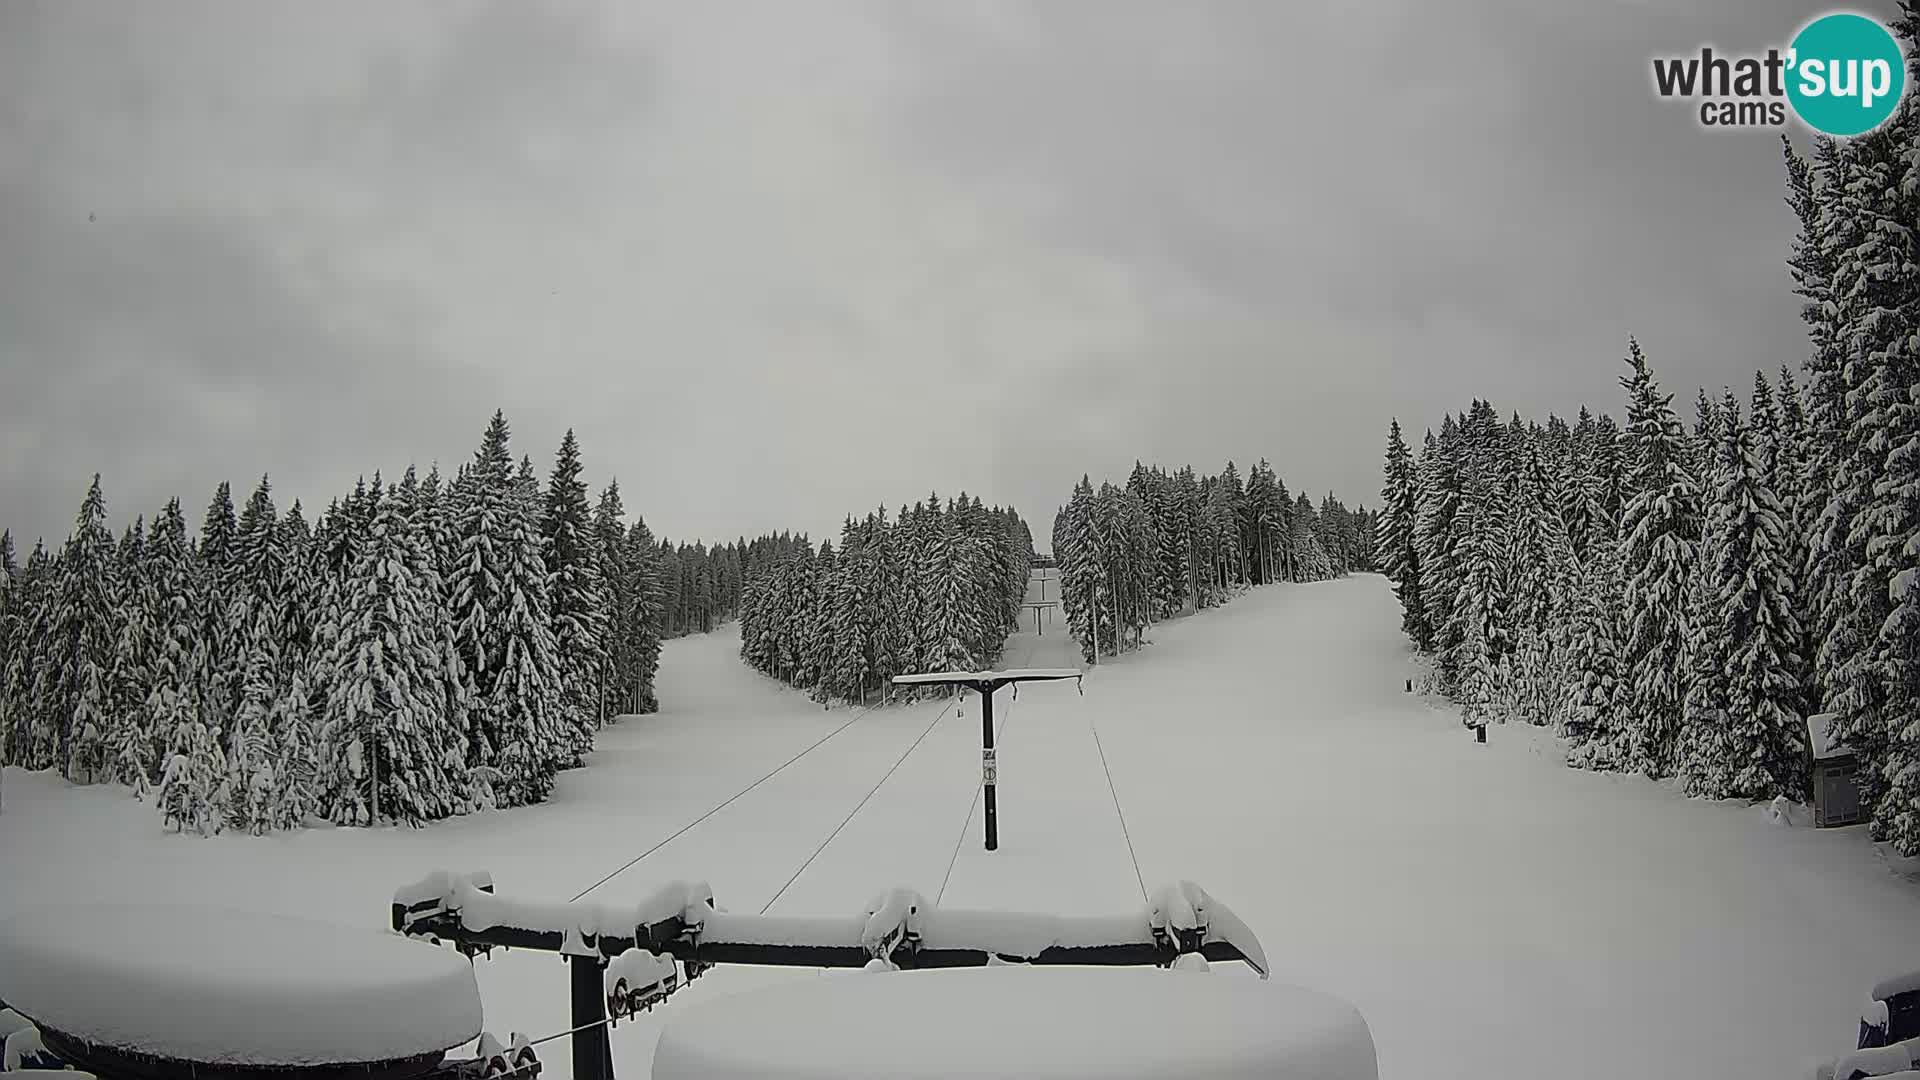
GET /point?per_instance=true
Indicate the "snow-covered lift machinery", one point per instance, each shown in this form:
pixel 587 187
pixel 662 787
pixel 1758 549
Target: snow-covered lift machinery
pixel 985 683
pixel 148 991
pixel 627 958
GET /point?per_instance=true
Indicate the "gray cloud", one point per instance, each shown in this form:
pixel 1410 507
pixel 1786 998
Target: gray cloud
pixel 777 262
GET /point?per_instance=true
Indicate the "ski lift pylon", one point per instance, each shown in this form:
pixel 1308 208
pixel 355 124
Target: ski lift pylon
pixel 985 683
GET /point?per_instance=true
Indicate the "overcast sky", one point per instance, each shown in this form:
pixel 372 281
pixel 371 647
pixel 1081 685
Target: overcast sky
pixel 776 262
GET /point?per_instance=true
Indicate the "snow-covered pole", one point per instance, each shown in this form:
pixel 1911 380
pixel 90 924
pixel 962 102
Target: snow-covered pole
pixel 985 683
pixel 988 767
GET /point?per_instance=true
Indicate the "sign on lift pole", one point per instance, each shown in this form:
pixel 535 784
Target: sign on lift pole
pixel 985 683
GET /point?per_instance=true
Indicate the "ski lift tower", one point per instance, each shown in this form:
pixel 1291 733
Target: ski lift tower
pixel 985 683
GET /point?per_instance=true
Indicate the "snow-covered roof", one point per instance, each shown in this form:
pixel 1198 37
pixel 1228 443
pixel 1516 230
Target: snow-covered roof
pixel 1017 674
pixel 1820 736
pixel 1020 1021
pixel 233 987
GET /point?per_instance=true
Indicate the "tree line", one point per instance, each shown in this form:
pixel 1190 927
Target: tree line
pixel 423 648
pixel 1676 601
pixel 938 588
pixel 1168 543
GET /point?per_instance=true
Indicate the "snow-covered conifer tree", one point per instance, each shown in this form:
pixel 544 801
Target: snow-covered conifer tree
pixel 385 736
pixel 1441 489
pixel 82 637
pixel 193 792
pixel 1763 745
pixel 1398 555
pixel 221 656
pixel 256 626
pixel 130 738
pixel 1661 529
pixel 1596 726
pixel 643 620
pixel 501 620
pixel 172 705
pixel 577 604
pixel 1706 709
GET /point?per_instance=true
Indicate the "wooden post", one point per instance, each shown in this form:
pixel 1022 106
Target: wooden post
pixel 988 766
pixel 592 1050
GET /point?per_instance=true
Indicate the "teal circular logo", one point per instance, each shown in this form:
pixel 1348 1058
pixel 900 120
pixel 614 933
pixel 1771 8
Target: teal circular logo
pixel 1845 74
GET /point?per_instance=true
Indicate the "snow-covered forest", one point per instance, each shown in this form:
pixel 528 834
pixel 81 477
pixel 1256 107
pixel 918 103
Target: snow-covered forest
pixel 1168 543
pixel 936 589
pixel 701 586
pixel 1677 600
pixel 423 648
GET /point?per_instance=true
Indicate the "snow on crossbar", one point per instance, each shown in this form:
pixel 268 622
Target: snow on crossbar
pixel 970 677
pixel 680 921
pixel 623 954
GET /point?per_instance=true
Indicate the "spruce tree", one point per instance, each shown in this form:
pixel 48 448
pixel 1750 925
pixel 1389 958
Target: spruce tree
pixel 82 635
pixel 11 589
pixel 1596 725
pixel 502 626
pixel 1884 273
pixel 1441 483
pixel 1706 710
pixel 643 620
pixel 1661 528
pixel 1872 275
pixel 1763 745
pixel 33 736
pixel 385 739
pixel 1539 568
pixel 484 496
pixel 822 653
pixel 577 603
pixel 130 740
pixel 617 601
pixel 1398 555
pixel 257 627
pixel 172 704
pixel 220 655
pixel 193 793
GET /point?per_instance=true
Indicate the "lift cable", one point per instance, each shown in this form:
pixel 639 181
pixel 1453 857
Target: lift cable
pixel 1119 813
pixel 863 802
pixel 688 827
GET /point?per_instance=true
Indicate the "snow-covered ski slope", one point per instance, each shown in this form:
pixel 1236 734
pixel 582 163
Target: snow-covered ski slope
pixel 1492 913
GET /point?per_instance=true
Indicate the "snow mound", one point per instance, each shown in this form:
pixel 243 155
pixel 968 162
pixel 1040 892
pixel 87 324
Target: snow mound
pixel 23 1046
pixel 1785 812
pixel 233 987
pixel 1021 1021
pixel 1895 1060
